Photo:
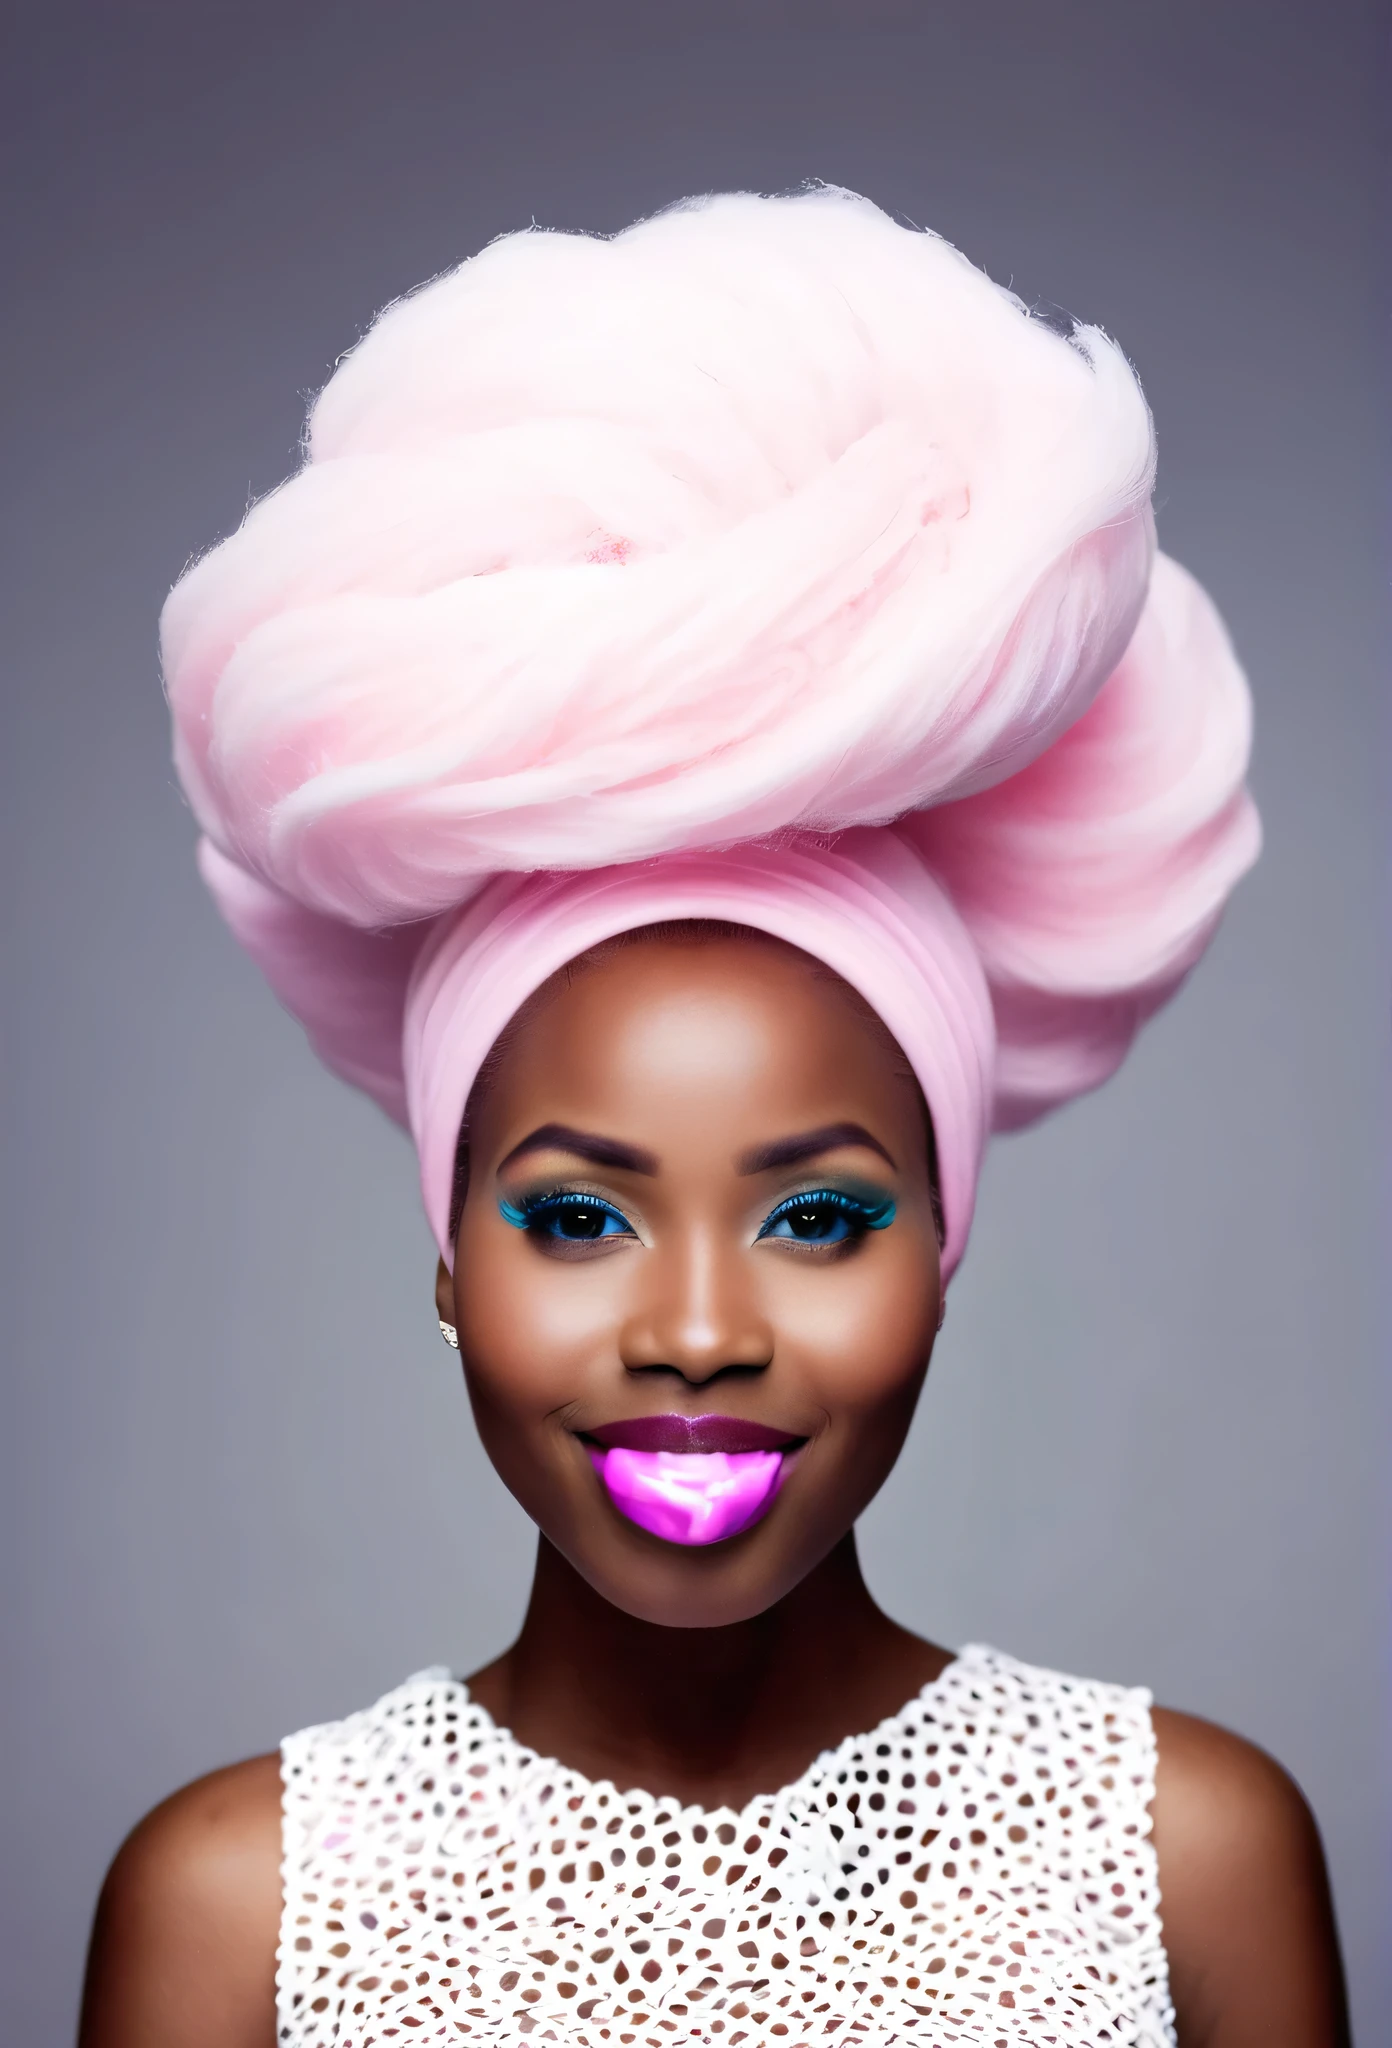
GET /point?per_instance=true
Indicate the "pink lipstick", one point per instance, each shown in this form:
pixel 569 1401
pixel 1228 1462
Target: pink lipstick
pixel 690 1479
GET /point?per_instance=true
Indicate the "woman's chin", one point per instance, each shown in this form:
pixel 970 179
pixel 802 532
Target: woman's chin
pixel 681 1585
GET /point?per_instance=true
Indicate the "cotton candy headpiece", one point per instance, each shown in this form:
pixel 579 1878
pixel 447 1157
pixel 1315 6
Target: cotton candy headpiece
pixel 764 562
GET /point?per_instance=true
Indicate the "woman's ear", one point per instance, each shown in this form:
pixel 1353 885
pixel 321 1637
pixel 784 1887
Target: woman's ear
pixel 444 1293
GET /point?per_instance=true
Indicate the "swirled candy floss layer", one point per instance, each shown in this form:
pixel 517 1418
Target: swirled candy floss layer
pixel 690 1497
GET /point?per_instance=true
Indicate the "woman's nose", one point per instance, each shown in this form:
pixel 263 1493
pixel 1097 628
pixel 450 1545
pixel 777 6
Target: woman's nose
pixel 698 1314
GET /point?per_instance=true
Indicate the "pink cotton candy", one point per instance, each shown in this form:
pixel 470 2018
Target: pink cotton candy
pixel 764 562
pixel 767 513
pixel 687 1497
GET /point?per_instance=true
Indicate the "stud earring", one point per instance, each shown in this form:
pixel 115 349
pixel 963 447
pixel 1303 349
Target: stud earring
pixel 450 1334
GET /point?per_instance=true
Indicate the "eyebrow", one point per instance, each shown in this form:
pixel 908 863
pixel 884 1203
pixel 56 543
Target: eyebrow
pixel 808 1145
pixel 585 1145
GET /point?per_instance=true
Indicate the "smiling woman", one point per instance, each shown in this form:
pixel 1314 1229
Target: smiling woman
pixel 704 739
pixel 695 1160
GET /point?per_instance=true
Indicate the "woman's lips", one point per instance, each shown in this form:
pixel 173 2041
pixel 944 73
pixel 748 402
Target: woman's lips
pixel 691 1434
pixel 691 1479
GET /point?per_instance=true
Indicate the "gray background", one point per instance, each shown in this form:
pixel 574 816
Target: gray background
pixel 240 1487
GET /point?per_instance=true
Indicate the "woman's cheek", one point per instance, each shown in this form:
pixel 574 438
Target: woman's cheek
pixel 537 1328
pixel 528 1351
pixel 864 1330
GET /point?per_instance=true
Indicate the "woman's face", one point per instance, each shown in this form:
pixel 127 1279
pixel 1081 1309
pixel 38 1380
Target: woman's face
pixel 699 1191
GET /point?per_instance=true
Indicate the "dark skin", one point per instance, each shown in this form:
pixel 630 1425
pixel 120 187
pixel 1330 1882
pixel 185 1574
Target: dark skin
pixel 660 1077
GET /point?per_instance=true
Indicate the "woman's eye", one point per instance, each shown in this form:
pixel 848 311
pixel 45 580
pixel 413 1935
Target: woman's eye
pixel 813 1222
pixel 582 1220
pixel 568 1219
pixel 826 1217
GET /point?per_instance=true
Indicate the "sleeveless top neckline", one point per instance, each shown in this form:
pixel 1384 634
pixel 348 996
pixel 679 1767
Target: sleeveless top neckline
pixel 574 1781
pixel 978 1869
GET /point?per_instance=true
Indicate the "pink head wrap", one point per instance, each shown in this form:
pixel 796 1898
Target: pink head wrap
pixel 764 563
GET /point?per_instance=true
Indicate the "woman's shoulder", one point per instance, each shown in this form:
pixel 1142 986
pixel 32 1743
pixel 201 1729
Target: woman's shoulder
pixel 1219 1805
pixel 1215 1785
pixel 1238 1869
pixel 1089 1718
pixel 341 1766
pixel 1249 1926
pixel 1226 1816
pixel 184 1942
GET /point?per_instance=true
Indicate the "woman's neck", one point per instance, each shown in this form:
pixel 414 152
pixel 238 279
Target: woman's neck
pixel 709 1716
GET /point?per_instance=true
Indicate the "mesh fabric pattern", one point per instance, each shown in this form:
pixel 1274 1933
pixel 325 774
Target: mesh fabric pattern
pixel 977 1870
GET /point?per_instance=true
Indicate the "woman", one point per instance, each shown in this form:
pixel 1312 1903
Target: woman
pixel 703 739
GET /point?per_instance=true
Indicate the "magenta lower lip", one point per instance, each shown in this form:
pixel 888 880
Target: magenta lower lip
pixel 690 1498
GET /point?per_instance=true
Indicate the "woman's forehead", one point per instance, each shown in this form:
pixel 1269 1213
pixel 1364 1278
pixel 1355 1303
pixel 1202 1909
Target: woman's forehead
pixel 664 992
pixel 718 1037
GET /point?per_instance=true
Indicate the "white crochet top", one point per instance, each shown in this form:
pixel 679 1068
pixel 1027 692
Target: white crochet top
pixel 977 1870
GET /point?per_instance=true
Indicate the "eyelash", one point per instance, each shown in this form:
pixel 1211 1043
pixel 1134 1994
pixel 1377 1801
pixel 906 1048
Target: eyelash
pixel 534 1212
pixel 831 1206
pixel 541 1215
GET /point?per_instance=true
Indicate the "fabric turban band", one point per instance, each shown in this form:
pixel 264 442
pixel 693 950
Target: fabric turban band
pixel 764 563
